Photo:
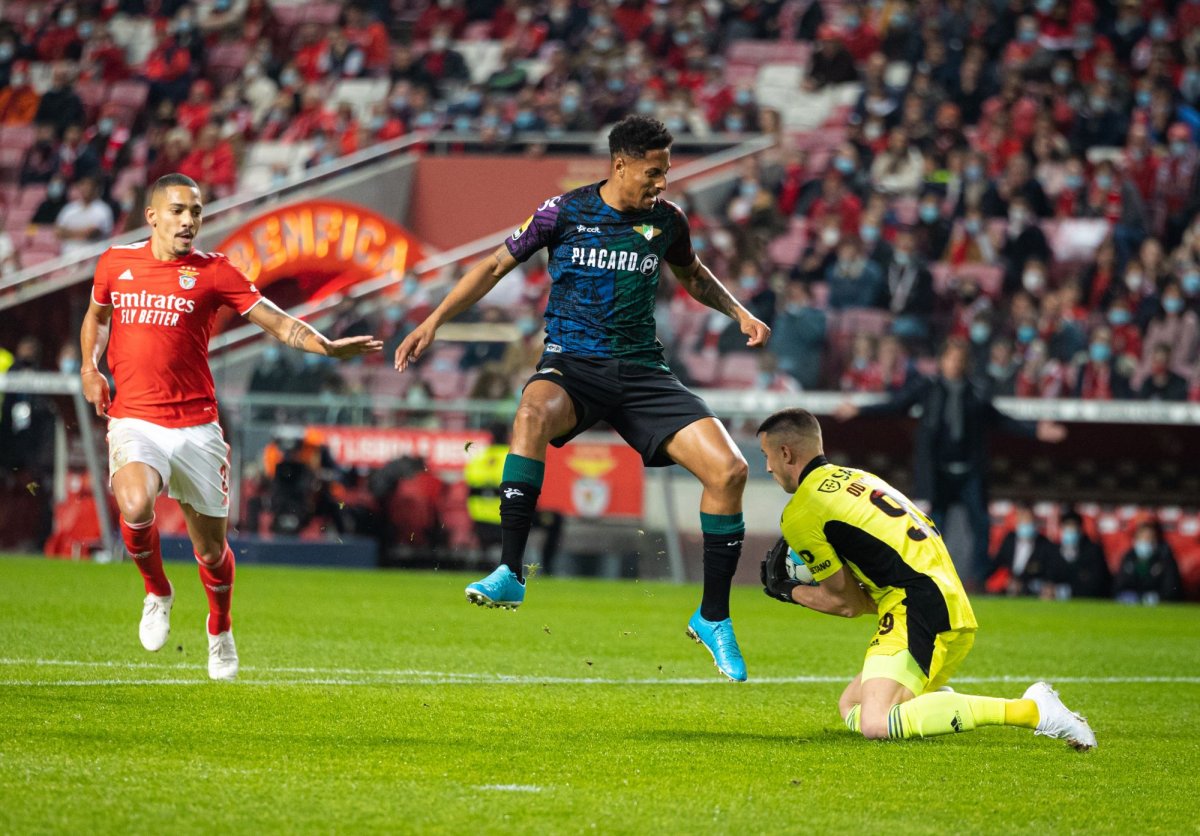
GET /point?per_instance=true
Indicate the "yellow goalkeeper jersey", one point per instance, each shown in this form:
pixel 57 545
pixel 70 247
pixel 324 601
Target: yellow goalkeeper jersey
pixel 844 516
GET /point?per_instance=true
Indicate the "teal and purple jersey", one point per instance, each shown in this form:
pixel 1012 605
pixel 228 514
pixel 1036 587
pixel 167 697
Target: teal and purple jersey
pixel 604 269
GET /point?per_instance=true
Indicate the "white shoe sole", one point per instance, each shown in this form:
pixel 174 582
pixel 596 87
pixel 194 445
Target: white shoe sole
pixel 477 598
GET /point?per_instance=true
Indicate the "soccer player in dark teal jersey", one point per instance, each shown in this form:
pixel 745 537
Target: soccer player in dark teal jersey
pixel 607 243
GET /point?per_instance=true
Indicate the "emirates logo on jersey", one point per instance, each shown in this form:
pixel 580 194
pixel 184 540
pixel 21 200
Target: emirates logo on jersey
pixel 187 277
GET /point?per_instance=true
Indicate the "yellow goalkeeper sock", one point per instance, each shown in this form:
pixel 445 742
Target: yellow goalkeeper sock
pixel 947 713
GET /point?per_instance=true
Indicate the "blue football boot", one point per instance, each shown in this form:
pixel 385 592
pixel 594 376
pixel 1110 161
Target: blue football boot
pixel 718 638
pixel 502 588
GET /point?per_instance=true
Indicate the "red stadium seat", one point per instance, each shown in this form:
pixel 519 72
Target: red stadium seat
pixel 17 136
pixel 31 197
pixel 226 60
pixel 738 371
pixel 129 94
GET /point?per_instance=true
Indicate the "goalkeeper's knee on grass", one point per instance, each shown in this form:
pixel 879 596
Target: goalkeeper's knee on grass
pixel 930 715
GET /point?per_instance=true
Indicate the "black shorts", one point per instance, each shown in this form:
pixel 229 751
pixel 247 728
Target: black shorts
pixel 646 406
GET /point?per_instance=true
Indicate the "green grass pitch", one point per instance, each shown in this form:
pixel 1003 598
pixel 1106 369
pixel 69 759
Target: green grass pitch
pixel 373 701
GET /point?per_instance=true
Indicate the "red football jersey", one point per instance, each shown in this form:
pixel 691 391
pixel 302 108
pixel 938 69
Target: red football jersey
pixel 162 318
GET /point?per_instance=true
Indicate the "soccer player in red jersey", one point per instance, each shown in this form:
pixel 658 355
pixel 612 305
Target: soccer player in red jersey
pixel 152 308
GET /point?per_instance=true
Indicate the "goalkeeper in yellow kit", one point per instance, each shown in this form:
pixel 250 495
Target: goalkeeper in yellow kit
pixel 871 551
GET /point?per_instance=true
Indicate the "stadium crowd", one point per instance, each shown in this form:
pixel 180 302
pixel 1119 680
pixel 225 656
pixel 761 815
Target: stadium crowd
pixel 1024 175
pixel 1021 175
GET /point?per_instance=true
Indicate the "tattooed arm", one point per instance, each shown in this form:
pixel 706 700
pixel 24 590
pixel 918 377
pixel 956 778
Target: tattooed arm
pixel 707 289
pixel 296 334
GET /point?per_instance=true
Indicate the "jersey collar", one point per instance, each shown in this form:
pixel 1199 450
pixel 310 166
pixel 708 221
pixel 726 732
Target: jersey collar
pixel 811 466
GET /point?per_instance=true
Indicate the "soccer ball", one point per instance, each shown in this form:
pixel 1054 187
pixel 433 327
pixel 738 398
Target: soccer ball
pixel 797 569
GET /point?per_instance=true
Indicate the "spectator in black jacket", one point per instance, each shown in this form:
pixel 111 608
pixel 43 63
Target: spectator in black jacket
pixel 1148 572
pixel 951 448
pixel 1033 563
pixel 1026 242
pixel 1086 569
pixel 910 289
pixel 60 105
pixel 1162 384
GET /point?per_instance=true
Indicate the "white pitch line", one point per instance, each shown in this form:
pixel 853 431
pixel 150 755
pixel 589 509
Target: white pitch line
pixel 358 676
pixel 511 788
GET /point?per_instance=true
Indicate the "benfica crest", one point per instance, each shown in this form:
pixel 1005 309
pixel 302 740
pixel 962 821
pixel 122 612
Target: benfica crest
pixel 187 277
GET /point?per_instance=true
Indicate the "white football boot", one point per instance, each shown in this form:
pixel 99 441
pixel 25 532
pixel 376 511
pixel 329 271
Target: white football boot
pixel 222 655
pixel 1056 720
pixel 156 620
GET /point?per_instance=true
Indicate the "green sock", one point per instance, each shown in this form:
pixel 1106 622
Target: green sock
pixel 520 469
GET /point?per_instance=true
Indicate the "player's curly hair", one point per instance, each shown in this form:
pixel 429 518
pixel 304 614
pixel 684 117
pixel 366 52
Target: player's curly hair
pixel 634 136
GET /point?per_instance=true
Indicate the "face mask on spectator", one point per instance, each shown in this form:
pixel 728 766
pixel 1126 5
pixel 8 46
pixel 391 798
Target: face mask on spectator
pixel 438 43
pixel 869 233
pixel 1144 549
pixel 524 120
pixel 68 365
pixel 1159 29
pixel 1027 36
pixel 675 124
pixel 1133 280
pixel 843 164
pixel 1179 148
pixel 1061 76
pixel 1119 316
pixel 1070 537
pixel 271 354
pixel 872 131
pixel 7 51
pixel 1026 530
pixel 748 282
pixel 1191 282
pixel 1142 97
pixel 748 189
pixel 793 308
pixel 1172 305
pixel 698 242
pixel 860 363
pixel 1044 6
pixel 289 78
pixel 735 124
pixel 1026 333
pixel 570 103
pixel 105 126
pixel 928 212
pixel 462 123
pixel 1033 281
pixel 743 97
pixel 56 189
pixel 973 172
pixel 66 18
pixel 901 258
pixel 980 332
pixel 1099 104
pixel 1017 218
pixel 1099 352
pixel 645 106
pixel 1074 181
pixel 971 225
pixel 1104 182
pixel 830 236
pixel 900 19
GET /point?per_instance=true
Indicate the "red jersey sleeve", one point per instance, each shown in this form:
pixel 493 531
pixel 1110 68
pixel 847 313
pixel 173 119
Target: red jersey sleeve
pixel 235 290
pixel 100 289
